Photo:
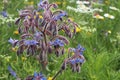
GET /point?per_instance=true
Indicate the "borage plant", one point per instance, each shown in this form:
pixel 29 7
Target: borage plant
pixel 40 34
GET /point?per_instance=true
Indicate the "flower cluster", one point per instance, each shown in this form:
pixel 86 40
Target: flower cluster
pixel 88 8
pixel 35 76
pixel 38 76
pixel 58 46
pixel 6 18
pixel 40 32
pixel 107 15
pixel 76 60
pixel 84 7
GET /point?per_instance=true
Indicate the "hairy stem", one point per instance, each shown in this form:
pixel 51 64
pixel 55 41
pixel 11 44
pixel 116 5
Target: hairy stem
pixel 57 74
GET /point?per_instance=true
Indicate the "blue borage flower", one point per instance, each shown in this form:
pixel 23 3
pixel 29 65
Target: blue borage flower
pixel 38 36
pixel 79 49
pixel 12 72
pixel 60 15
pixel 57 42
pixel 38 76
pixel 48 26
pixel 40 3
pixel 30 42
pixel 76 60
pixel 12 41
pixel 4 14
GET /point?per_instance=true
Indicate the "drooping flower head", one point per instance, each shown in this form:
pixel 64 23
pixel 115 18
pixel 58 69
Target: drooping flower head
pixel 79 49
pixel 60 15
pixel 13 41
pixel 58 46
pixel 57 42
pixel 30 42
pixel 76 60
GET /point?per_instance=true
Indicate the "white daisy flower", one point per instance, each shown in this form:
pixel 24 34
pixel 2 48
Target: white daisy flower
pixel 114 8
pixel 109 16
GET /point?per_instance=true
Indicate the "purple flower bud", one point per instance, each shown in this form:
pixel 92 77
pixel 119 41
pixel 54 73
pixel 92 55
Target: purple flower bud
pixel 74 67
pixel 50 49
pixel 20 50
pixel 78 68
pixel 57 53
pixel 63 67
pixel 55 6
pixel 63 51
pixel 17 21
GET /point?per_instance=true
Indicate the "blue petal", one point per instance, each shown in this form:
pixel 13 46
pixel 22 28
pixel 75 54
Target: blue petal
pixel 43 78
pixel 72 61
pixel 4 14
pixel 60 15
pixel 30 42
pixel 78 60
pixel 12 41
pixel 57 42
pixel 12 72
pixel 35 74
